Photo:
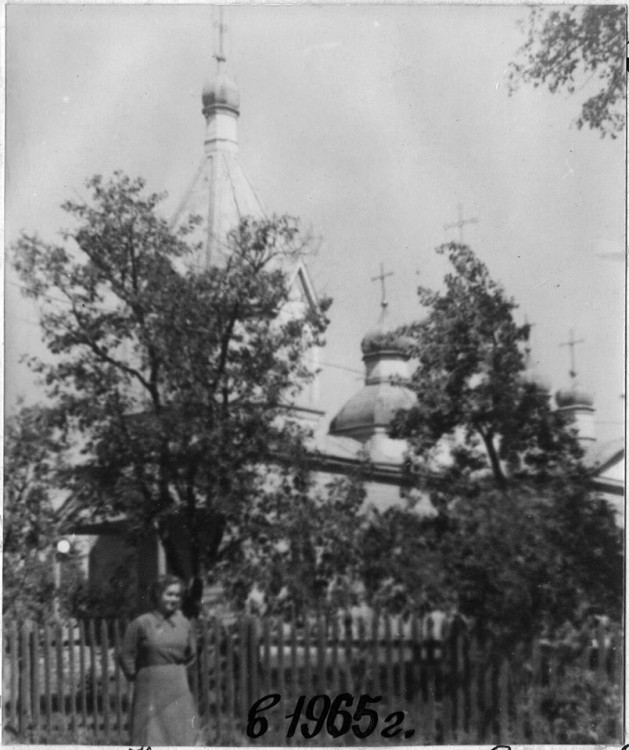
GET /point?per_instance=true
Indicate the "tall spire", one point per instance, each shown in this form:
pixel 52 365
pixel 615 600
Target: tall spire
pixel 221 98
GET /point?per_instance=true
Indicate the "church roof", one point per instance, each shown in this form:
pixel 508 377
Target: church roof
pixel 221 194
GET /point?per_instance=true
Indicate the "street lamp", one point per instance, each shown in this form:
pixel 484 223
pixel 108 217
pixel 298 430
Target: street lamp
pixel 63 549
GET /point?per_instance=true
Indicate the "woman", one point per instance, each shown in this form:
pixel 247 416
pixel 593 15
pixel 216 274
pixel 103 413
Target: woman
pixel 157 648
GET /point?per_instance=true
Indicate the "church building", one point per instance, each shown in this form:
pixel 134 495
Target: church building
pixel 221 194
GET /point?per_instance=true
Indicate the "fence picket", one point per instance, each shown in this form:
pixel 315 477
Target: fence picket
pixel 279 641
pixel 71 677
pixel 60 676
pixel 25 687
pixel 82 674
pixel 91 636
pixel 429 738
pixel 322 686
pixel 503 702
pixel 307 687
pixel 293 660
pixel 373 664
pixel 47 680
pixel 13 646
pixel 400 686
pixel 335 687
pixel 218 682
pixel 243 656
pixel 254 659
pixel 230 713
pixel 117 682
pixel 474 733
pixel 104 651
pixel 36 688
pixel 388 664
pixel 265 676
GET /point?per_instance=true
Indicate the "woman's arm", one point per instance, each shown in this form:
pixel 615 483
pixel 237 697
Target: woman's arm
pixel 191 645
pixel 129 651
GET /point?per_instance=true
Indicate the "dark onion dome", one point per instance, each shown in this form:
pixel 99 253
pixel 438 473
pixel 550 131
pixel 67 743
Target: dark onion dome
pixel 574 396
pixel 220 93
pixel 373 406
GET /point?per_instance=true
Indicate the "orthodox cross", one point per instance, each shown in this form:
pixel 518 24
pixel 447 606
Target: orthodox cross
pixel 460 223
pixel 381 279
pixel 222 28
pixel 572 343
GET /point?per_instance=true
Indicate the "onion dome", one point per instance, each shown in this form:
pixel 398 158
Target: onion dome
pixel 385 353
pixel 574 396
pixel 381 340
pixel 220 93
pixel 373 407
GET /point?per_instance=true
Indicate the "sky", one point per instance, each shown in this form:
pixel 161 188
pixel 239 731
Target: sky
pixel 371 124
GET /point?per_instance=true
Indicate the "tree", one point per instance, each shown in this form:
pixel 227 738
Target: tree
pixel 176 384
pixel 471 386
pixel 305 551
pixel 564 46
pixel 517 541
pixel 31 448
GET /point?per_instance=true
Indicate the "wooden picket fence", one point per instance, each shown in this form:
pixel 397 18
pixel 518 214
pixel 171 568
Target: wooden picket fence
pixel 63 684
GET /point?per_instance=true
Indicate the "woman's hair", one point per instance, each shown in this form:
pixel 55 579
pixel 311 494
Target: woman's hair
pixel 160 585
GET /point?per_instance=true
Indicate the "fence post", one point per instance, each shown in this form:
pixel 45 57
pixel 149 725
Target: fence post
pixel 82 674
pixel 218 676
pixel 71 681
pixel 117 685
pixel 230 712
pixel 34 644
pixel 24 662
pixel 91 634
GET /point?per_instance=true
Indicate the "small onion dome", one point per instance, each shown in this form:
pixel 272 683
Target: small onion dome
pixel 220 92
pixel 574 396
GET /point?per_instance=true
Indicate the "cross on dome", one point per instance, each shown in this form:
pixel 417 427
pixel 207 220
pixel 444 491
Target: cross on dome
pixel 381 277
pixel 460 223
pixel 572 343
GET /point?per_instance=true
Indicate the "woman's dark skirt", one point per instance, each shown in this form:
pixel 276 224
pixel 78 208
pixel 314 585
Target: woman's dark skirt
pixel 163 708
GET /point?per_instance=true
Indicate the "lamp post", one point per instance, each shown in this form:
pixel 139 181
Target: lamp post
pixel 63 548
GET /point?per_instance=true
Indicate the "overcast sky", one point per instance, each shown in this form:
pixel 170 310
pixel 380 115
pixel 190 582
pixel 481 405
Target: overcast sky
pixel 370 123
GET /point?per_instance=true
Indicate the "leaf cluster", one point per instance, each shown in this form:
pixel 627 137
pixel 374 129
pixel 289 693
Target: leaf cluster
pixel 566 45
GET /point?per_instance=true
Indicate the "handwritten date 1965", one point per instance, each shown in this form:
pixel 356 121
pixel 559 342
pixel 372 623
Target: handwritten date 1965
pixel 331 714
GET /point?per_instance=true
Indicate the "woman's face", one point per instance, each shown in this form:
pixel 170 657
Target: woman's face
pixel 170 599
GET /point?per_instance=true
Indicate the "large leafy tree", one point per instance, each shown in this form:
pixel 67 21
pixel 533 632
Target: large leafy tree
pixel 175 384
pixel 516 539
pixel 567 47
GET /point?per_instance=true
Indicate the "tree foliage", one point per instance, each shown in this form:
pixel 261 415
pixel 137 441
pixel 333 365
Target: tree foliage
pixel 516 541
pixel 175 384
pixel 471 386
pixel 31 448
pixel 566 47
